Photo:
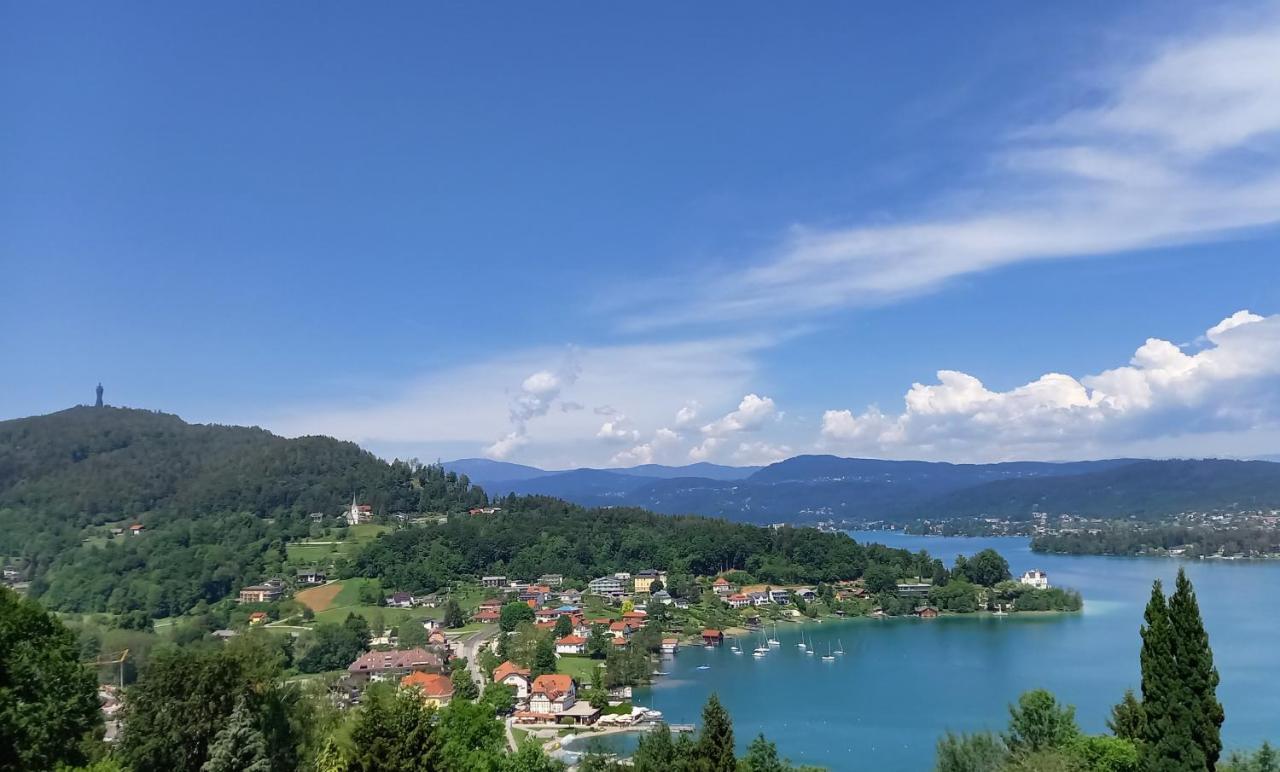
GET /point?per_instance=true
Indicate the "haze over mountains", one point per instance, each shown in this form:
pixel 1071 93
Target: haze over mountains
pixel 810 488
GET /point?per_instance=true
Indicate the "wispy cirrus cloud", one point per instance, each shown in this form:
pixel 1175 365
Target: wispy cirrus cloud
pixel 1182 148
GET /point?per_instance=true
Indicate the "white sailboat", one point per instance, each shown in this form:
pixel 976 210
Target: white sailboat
pixel 840 651
pixel 801 644
pixel 809 650
pixel 773 638
pixel 734 648
pixel 828 657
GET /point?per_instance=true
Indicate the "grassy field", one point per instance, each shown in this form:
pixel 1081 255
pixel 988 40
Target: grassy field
pixel 323 551
pixel 581 668
pixel 332 602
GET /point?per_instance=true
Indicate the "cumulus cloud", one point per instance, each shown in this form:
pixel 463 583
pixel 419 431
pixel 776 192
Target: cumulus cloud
pixel 649 452
pixel 1163 390
pixel 751 414
pixel 687 415
pixel 537 394
pixel 1155 160
pixel 617 431
pixel 760 453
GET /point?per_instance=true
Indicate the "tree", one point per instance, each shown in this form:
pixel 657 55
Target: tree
pixel 715 743
pixel 1038 723
pixel 881 579
pixel 239 746
pixel 986 568
pixel 654 752
pixel 1101 753
pixel 334 646
pixel 544 657
pixel 564 626
pixel 453 617
pixel 394 731
pixel 762 756
pixel 500 697
pixel 1128 719
pixel 656 586
pixel 330 758
pixel 463 687
pixel 1195 668
pixel 48 700
pixel 981 752
pixel 512 615
pixel 598 645
pixel 1168 742
pixel 528 757
pixel 411 634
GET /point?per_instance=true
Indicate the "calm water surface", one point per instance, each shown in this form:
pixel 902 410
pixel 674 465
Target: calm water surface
pixel 903 682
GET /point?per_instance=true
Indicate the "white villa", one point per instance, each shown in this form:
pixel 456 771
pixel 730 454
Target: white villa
pixel 1036 578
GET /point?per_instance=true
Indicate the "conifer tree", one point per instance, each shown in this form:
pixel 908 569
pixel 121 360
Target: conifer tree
pixel 1169 744
pixel 239 746
pixel 1195 669
pixel 715 744
pixel 762 756
pixel 330 758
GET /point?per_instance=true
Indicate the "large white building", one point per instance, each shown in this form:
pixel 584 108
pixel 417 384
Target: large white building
pixel 1036 578
pixel 605 585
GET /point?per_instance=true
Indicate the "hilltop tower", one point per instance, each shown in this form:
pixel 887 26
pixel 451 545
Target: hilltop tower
pixel 99 402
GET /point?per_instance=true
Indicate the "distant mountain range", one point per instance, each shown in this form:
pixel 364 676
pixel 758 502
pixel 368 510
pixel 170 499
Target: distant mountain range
pixel 810 488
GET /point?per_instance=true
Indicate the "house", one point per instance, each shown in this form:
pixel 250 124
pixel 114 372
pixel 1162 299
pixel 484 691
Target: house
pixel 646 578
pixel 511 674
pixel 622 576
pixel 681 603
pixel 780 597
pixel 483 511
pixel 670 645
pixel 312 576
pixel 258 617
pixel 400 600
pixel 358 513
pixel 551 580
pixel 267 592
pixel 807 593
pixel 552 694
pixel 927 612
pixel 605 585
pixel 620 643
pixel 427 601
pixel 712 637
pixel 571 644
pixel 437 638
pixel 316 516
pixel 546 615
pixel 493 581
pixel 431 624
pixel 722 587
pixel 571 596
pixel 1035 578
pixel 621 629
pixel 636 619
pixel 224 635
pixel 377 665
pixel 914 590
pixel 661 596
pixel 758 598
pixel 135 529
pixel 738 600
pixel 486 614
pixel 436 689
pixel 537 593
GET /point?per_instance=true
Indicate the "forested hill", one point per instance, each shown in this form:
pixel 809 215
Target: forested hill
pixel 216 501
pixel 96 464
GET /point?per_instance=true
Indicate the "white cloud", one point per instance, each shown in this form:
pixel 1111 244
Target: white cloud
pixel 687 415
pixel 751 414
pixel 460 411
pixel 663 440
pixel 617 431
pixel 1163 391
pixel 760 453
pixel 1179 149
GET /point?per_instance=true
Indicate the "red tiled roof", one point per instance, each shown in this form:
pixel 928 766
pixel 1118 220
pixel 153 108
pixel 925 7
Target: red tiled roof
pixel 545 625
pixel 508 668
pixel 406 659
pixel 431 684
pixel 571 640
pixel 711 633
pixel 720 580
pixel 554 685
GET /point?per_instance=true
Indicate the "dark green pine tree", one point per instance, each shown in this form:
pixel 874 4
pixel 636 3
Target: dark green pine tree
pixel 1196 670
pixel 239 746
pixel 1169 744
pixel 715 743
pixel 762 756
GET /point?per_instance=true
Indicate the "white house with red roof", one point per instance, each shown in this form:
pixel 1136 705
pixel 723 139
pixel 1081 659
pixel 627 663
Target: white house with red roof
pixel 511 674
pixel 571 644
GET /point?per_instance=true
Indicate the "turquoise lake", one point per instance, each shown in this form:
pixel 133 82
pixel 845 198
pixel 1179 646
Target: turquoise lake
pixel 904 682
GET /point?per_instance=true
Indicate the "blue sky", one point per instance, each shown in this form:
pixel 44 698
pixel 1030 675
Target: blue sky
pixel 583 235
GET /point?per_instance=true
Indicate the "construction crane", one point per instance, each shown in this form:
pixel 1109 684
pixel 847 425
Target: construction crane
pixel 118 662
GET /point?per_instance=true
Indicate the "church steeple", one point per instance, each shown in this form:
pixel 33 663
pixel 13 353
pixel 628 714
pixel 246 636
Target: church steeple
pixel 99 402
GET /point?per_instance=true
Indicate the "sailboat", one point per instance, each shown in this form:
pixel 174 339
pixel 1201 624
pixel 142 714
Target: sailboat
pixel 801 644
pixel 840 651
pixel 773 638
pixel 809 650
pixel 828 657
pixel 734 648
